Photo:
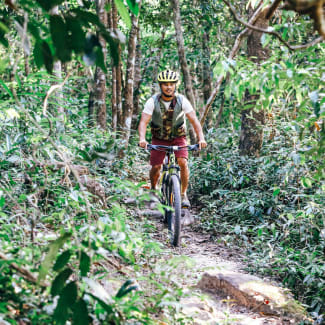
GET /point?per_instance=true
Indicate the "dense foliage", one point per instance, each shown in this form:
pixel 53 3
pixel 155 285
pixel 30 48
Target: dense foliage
pixel 70 250
pixel 53 227
pixel 269 205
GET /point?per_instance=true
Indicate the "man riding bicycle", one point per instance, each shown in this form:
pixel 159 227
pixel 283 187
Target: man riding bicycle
pixel 167 111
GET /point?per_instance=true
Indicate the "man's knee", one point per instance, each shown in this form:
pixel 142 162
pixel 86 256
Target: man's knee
pixel 182 162
pixel 155 169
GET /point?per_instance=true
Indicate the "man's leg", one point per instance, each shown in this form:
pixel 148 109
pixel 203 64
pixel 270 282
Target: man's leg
pixel 182 162
pixel 154 175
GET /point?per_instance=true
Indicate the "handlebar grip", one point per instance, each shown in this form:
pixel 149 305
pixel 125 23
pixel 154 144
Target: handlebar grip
pixel 194 147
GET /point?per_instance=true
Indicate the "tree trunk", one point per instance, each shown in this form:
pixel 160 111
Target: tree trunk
pixel 253 119
pixel 57 71
pixel 137 83
pixel 207 80
pixel 156 61
pixel 232 54
pixel 26 63
pixel 100 77
pixel 110 20
pixel 129 79
pixel 182 59
pixel 118 72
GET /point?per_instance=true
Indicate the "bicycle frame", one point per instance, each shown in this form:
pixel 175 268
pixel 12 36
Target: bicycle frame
pixel 170 187
pixel 170 167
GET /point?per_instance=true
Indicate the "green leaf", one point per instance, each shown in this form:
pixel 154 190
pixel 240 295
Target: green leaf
pixel 60 36
pixel 86 17
pixel 123 13
pixel 3 30
pixel 128 290
pixel 100 62
pixel 49 4
pixel 76 39
pixel 123 289
pixel 47 57
pixel 62 260
pixel 133 5
pixel 66 301
pixel 51 255
pixel 6 88
pixel 306 182
pixel 33 28
pixel 2 202
pixel 260 232
pixel 38 56
pixel 80 313
pixel 84 264
pixel 276 192
pixel 107 307
pixel 59 282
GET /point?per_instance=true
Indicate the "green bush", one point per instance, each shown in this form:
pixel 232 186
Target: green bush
pixel 272 204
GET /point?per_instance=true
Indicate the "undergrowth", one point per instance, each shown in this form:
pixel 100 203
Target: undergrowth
pixel 272 206
pixel 70 249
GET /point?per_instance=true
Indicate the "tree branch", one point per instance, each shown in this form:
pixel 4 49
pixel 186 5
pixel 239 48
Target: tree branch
pixel 274 6
pixel 277 35
pixel 51 90
pixel 27 275
pixel 232 54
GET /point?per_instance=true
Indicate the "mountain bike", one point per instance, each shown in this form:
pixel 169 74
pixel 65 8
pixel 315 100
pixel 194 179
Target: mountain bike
pixel 170 187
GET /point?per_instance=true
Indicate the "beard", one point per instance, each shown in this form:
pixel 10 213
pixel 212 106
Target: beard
pixel 166 95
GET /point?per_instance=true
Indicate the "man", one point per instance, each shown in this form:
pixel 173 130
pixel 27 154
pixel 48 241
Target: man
pixel 168 127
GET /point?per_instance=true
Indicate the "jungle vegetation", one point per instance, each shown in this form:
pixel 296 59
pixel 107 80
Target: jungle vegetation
pixel 74 75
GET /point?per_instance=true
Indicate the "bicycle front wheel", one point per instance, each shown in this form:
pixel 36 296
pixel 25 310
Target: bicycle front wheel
pixel 174 218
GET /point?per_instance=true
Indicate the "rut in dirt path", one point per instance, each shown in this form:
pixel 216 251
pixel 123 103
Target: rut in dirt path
pixel 220 290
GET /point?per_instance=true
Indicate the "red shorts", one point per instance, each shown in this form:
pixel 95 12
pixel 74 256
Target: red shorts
pixel 157 157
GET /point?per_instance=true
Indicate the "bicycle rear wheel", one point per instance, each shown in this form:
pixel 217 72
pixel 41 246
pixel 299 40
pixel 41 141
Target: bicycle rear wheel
pixel 174 217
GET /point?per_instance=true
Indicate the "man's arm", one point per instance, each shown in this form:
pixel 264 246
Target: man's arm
pixel 197 128
pixel 145 119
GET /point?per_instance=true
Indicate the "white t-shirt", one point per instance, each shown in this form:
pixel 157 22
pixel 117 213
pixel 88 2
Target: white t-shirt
pixel 150 105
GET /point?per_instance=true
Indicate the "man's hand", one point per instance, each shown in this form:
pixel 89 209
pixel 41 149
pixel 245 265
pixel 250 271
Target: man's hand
pixel 202 144
pixel 143 144
pixel 145 118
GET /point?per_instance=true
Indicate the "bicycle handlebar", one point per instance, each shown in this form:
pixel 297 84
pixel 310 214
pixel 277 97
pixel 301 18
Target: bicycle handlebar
pixel 194 147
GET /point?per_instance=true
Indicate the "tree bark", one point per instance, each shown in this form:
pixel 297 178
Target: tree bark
pixel 100 77
pixel 57 71
pixel 253 120
pixel 129 79
pixel 182 59
pixel 207 80
pixel 118 72
pixel 156 61
pixel 110 19
pixel 137 83
pixel 26 63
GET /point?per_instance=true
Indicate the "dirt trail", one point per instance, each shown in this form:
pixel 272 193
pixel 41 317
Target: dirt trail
pixel 215 278
pixel 212 306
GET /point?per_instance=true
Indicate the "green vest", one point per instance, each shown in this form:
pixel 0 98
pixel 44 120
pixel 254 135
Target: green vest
pixel 168 124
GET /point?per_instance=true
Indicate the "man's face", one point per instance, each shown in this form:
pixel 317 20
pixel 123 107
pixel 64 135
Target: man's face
pixel 168 88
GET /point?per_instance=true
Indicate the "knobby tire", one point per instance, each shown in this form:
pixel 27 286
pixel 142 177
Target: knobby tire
pixel 174 220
